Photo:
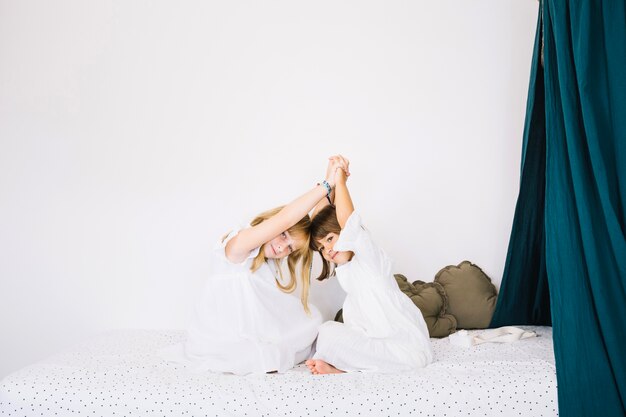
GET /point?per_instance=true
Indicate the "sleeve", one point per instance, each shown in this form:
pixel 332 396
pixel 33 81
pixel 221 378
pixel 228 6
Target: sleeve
pixel 356 238
pixel 220 247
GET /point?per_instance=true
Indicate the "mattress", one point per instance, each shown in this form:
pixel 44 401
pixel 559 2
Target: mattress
pixel 120 374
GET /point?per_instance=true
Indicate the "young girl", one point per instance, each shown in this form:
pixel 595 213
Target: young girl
pixel 382 330
pixel 244 321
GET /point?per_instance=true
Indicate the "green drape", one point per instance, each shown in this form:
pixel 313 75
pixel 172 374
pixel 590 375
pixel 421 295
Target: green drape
pixel 585 216
pixel 524 297
pixel 584 212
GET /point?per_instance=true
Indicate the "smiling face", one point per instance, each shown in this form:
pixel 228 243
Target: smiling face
pixel 283 245
pixel 326 247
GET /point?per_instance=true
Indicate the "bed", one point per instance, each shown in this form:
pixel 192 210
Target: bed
pixel 120 374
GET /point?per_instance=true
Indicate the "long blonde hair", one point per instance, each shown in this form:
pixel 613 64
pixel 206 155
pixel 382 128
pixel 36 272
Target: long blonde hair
pixel 304 255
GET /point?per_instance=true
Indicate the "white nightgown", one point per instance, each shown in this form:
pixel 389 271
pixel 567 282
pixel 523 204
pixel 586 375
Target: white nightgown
pixel 383 330
pixel 243 323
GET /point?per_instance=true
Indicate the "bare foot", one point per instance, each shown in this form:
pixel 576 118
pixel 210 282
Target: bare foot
pixel 321 367
pixel 310 363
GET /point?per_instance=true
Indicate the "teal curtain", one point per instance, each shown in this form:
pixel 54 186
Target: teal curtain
pixel 582 241
pixel 585 210
pixel 524 296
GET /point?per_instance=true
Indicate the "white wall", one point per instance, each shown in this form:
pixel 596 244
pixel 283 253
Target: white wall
pixel 133 134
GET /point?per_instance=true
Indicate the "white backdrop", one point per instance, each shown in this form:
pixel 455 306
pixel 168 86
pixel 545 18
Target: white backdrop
pixel 133 134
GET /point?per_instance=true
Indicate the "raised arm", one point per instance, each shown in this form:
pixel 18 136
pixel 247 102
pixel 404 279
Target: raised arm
pixel 238 248
pixel 343 201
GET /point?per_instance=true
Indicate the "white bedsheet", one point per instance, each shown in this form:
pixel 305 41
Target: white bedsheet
pixel 119 374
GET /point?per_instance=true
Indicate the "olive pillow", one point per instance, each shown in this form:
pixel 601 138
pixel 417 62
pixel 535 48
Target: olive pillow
pixel 471 295
pixel 431 300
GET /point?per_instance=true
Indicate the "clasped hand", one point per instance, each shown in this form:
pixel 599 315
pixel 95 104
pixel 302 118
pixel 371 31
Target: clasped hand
pixel 338 170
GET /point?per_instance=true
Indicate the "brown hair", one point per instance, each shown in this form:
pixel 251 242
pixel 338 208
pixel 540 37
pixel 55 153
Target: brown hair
pixel 324 222
pixel 304 255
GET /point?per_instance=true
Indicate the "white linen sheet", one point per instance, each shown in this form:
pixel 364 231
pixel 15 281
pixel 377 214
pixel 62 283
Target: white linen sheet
pixel 119 374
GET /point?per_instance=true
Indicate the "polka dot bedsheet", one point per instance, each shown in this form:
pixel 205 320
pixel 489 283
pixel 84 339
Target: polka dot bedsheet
pixel 119 374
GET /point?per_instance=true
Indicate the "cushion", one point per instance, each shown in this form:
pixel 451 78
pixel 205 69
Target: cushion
pixel 471 295
pixel 431 300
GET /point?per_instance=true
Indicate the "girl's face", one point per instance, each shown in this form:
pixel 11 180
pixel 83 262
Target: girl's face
pixel 282 245
pixel 326 245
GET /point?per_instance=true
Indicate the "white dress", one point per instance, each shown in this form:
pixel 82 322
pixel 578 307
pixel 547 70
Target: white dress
pixel 383 330
pixel 243 323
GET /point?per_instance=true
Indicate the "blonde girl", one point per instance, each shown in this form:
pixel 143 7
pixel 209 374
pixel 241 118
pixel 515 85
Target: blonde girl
pixel 383 331
pixel 245 321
